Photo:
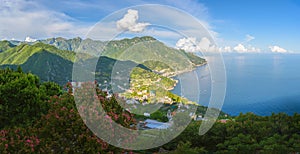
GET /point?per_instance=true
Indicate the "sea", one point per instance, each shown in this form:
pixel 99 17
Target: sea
pixel 259 83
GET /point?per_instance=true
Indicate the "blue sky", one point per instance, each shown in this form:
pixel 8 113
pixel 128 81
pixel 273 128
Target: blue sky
pixel 242 26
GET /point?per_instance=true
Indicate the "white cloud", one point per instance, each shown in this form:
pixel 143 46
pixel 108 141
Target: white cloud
pixel 129 22
pixel 192 45
pixel 20 18
pixel 204 44
pixel 187 44
pixel 242 49
pixel 249 38
pixel 277 49
pixel 29 39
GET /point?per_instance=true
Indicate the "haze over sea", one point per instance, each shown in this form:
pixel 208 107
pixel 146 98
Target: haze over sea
pixel 258 83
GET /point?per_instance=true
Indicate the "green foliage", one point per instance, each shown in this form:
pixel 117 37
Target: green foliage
pixel 186 148
pixel 50 89
pixel 22 98
pixel 239 144
pixel 60 129
pixel 247 133
pixel 160 116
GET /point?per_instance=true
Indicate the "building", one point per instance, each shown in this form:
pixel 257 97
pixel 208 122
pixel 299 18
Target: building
pixel 154 124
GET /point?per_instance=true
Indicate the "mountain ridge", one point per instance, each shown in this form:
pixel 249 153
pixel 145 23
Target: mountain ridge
pixel 35 57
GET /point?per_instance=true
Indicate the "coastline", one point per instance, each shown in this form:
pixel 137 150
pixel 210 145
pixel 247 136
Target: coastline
pixel 183 71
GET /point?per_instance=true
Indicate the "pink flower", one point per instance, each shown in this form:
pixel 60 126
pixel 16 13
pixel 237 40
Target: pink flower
pixel 37 141
pixel 6 146
pixel 63 108
pixel 28 141
pixel 56 116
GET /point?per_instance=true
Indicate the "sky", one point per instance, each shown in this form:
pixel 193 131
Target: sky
pixel 235 26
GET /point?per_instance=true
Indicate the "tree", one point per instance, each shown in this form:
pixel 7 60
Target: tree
pixel 21 99
pixel 186 148
pixel 61 130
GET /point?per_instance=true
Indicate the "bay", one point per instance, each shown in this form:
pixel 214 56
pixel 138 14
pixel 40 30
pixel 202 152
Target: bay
pixel 258 83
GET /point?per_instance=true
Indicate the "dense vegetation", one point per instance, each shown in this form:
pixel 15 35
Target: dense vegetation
pixel 41 118
pixel 247 133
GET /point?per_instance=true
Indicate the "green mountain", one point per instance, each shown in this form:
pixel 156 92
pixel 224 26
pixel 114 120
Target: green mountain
pixel 46 61
pixel 21 53
pixel 52 59
pixel 48 66
pixel 63 44
pixel 76 44
pixel 5 45
pixel 160 58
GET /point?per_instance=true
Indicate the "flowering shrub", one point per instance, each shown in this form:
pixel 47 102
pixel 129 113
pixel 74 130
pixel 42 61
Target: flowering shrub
pixel 18 140
pixel 62 130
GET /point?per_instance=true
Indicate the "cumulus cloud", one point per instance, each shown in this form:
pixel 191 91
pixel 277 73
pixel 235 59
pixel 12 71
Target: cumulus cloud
pixel 187 44
pixel 242 49
pixel 129 22
pixel 277 49
pixel 249 38
pixel 29 39
pixel 20 18
pixel 192 45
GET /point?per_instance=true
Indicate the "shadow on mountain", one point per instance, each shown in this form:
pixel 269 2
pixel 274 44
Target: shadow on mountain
pixel 51 67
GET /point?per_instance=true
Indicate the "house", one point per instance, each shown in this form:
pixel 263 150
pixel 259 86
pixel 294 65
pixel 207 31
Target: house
pixel 147 114
pixel 154 124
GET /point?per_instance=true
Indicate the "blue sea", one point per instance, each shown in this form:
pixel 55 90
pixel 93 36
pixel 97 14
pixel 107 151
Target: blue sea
pixel 258 83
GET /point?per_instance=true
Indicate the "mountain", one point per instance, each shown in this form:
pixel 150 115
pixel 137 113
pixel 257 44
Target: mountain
pixel 21 53
pixel 62 43
pixel 48 66
pixel 5 45
pixel 161 58
pixel 76 44
pixel 52 59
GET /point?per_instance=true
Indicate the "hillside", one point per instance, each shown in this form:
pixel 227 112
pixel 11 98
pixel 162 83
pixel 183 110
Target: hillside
pixel 52 59
pixel 5 45
pixel 76 44
pixel 20 54
pixel 160 58
pixel 48 66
